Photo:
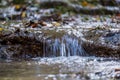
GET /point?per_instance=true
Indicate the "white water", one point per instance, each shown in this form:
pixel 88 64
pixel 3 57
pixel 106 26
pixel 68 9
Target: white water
pixel 64 46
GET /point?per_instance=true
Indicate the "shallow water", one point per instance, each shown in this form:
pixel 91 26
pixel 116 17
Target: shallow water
pixel 60 68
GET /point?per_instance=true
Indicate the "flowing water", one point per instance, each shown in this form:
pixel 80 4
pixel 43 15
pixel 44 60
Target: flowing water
pixel 64 46
pixel 64 59
pixel 60 68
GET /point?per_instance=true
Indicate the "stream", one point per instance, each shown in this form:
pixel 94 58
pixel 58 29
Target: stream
pixel 60 68
pixel 63 58
pixel 58 43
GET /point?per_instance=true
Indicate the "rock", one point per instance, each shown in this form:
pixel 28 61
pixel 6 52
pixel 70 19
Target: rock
pixel 53 17
pixel 33 24
pixel 117 73
pixel 104 43
pixel 53 3
pixel 20 44
pixel 101 50
pixel 78 8
pixel 109 2
pixel 117 69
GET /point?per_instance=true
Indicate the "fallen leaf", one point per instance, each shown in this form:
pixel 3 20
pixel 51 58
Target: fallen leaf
pixel 1 29
pixel 84 3
pixel 23 14
pixel 34 25
pixel 17 7
pixel 55 24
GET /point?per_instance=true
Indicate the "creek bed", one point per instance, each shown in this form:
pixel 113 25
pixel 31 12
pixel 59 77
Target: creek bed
pixel 61 68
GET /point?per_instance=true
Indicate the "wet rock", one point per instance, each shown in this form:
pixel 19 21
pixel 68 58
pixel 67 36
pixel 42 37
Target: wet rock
pixel 53 17
pixel 50 43
pixel 110 2
pixel 53 3
pixel 116 74
pixel 117 69
pixel 104 43
pixel 78 8
pixel 101 50
pixel 32 24
pixel 20 44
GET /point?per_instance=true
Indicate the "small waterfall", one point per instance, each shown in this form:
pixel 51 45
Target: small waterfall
pixel 63 46
pixel 54 46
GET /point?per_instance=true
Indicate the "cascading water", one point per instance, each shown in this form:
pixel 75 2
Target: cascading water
pixel 44 44
pixel 64 46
